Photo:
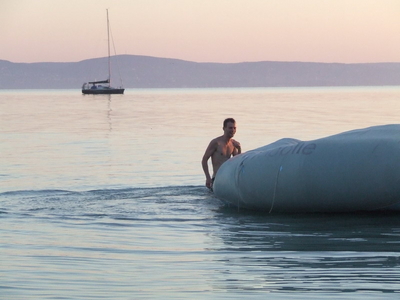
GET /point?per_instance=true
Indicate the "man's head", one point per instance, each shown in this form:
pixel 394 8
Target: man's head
pixel 229 127
pixel 228 120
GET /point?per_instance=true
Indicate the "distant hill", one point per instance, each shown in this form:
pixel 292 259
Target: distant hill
pixel 151 72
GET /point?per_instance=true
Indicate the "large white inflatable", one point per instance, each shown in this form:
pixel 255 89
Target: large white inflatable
pixel 352 171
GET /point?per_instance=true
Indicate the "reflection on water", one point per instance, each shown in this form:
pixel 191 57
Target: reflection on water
pixel 308 253
pixel 95 100
pixel 378 232
pixel 109 112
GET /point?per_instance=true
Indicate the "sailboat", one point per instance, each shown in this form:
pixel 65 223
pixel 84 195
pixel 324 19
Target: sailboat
pixel 103 86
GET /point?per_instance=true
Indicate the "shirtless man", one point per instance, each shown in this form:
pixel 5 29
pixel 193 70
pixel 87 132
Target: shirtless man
pixel 220 150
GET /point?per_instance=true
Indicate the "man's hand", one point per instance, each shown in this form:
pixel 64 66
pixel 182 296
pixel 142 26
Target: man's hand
pixel 209 183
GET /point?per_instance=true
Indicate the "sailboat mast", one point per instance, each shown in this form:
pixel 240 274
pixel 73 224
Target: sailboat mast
pixel 109 58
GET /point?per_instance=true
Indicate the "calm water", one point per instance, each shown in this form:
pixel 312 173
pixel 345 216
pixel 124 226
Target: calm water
pixel 102 197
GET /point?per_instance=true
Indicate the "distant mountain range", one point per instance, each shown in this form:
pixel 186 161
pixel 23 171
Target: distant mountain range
pixel 152 72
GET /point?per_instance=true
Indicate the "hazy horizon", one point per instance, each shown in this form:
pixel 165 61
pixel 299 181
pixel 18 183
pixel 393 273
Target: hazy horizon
pixel 220 31
pixel 238 62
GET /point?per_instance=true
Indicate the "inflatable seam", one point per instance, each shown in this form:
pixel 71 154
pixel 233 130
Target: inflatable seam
pixel 275 187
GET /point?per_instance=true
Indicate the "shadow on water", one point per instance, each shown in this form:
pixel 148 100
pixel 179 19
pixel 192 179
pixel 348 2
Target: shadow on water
pixel 361 231
pixel 313 253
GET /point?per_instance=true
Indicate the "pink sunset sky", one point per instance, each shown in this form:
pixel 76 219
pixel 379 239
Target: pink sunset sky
pixel 343 31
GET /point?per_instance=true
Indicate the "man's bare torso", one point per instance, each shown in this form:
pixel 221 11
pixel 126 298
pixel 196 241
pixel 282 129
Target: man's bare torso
pixel 223 152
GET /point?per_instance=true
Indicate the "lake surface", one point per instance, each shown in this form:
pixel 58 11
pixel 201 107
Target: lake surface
pixel 103 197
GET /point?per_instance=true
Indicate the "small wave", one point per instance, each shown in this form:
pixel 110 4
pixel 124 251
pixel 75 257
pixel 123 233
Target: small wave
pixel 173 190
pixel 117 204
pixel 31 192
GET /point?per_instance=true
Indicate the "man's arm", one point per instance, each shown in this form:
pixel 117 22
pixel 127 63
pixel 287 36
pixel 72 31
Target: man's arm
pixel 237 149
pixel 212 147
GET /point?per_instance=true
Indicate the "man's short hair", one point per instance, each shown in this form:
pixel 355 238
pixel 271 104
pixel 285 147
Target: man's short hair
pixel 228 120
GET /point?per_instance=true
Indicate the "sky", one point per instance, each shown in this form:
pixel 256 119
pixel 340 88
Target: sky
pixel 223 31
